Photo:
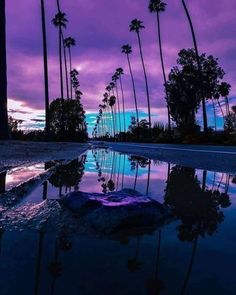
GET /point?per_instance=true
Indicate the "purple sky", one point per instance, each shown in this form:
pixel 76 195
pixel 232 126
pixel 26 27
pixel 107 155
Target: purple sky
pixel 100 28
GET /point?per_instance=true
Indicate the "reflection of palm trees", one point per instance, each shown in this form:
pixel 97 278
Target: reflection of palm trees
pixel 1 235
pixel 198 208
pixel 3 182
pixel 148 178
pixel 38 263
pixel 190 267
pixel 55 267
pixel 123 172
pixel 45 190
pixel 134 264
pixel 69 175
pixel 156 286
pixel 137 161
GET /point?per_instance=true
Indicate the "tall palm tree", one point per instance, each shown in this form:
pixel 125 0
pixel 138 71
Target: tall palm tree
pixel 112 102
pixel 127 49
pixel 114 79
pixel 4 131
pixel 112 86
pixel 135 26
pixel 157 6
pixel 60 21
pixel 205 125
pixel 45 60
pixel 69 42
pixel 66 67
pixel 120 72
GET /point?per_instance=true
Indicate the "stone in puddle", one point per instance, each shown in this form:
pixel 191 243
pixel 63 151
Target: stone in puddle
pixel 116 211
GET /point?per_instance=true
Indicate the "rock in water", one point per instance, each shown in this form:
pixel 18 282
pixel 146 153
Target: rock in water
pixel 114 212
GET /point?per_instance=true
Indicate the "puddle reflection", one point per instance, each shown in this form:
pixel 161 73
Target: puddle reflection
pixel 195 254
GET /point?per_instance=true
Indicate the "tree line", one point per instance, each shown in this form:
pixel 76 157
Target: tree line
pixel 194 83
pixel 65 116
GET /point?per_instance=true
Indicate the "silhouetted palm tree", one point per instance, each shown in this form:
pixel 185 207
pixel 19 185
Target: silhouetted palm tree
pixel 127 49
pixel 4 131
pixel 157 6
pixel 69 42
pixel 112 101
pixel 60 21
pixel 135 26
pixel 205 125
pixel 114 79
pixel 120 72
pixel 45 59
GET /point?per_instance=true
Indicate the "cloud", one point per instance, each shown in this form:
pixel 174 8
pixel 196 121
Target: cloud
pixel 100 28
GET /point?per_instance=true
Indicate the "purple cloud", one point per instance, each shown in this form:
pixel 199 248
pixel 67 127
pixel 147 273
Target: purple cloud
pixel 100 28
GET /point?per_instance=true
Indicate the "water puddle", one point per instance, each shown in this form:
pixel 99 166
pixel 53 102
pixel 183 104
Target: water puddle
pixel 16 176
pixel 193 254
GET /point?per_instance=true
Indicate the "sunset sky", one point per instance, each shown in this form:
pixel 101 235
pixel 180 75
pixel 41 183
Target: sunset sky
pixel 100 28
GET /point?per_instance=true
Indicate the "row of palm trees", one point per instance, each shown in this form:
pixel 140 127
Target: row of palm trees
pixel 65 44
pixel 157 7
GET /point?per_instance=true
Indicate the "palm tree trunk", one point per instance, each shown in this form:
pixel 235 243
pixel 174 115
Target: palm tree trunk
pixel 60 61
pixel 146 82
pixel 70 72
pixel 66 68
pixel 45 59
pixel 58 6
pixel 4 131
pixel 163 69
pixel 134 89
pixel 214 110
pixel 222 112
pixel 227 105
pixel 123 102
pixel 205 125
pixel 113 121
pixel 118 103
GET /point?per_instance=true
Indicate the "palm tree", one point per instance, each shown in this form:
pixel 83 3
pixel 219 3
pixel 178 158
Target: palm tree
pixel 60 21
pixel 66 67
pixel 120 72
pixel 69 42
pixel 135 26
pixel 205 125
pixel 112 101
pixel 45 59
pixel 114 79
pixel 4 131
pixel 127 49
pixel 112 86
pixel 157 6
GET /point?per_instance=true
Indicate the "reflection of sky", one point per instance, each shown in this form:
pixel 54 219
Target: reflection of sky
pixel 21 174
pixel 158 176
